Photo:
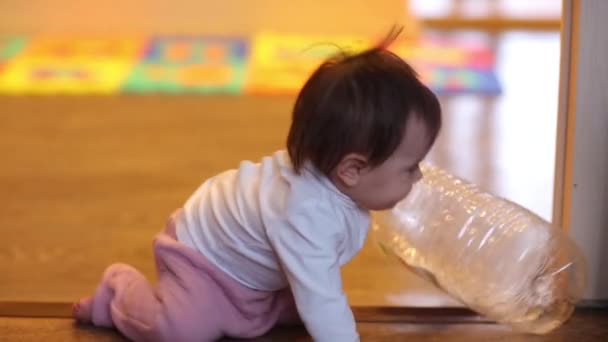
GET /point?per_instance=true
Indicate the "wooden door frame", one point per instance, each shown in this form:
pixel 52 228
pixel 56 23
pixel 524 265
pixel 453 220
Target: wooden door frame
pixel 580 203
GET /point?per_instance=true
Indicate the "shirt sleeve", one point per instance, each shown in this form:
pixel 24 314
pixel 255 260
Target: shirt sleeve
pixel 307 245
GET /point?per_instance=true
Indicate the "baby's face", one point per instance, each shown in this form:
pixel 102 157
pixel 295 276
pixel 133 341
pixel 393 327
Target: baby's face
pixel 382 187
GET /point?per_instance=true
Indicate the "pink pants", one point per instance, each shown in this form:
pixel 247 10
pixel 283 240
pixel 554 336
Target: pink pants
pixel 193 300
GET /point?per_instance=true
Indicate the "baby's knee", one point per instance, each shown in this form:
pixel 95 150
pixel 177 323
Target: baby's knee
pixel 186 329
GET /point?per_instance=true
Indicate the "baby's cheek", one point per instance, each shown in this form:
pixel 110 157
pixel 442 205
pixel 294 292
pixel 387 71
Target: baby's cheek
pixel 406 189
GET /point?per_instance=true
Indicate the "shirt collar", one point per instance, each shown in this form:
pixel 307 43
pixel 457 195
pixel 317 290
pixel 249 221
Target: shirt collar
pixel 328 184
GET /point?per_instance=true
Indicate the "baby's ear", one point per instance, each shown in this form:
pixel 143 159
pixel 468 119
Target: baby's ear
pixel 348 170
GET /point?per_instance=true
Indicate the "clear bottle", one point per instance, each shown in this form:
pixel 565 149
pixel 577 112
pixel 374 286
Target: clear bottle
pixel 493 255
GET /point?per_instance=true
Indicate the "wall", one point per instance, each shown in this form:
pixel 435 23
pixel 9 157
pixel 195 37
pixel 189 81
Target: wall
pixel 192 16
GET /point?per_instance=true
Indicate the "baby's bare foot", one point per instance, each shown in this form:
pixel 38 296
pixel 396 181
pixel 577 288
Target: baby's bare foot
pixel 82 310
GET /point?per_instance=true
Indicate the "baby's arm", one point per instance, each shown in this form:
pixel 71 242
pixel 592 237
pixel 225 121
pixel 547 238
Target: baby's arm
pixel 307 246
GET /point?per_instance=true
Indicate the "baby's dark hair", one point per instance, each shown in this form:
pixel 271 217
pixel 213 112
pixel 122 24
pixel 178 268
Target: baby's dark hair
pixel 359 103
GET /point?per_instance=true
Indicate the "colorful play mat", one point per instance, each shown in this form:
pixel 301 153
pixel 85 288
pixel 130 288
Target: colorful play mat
pixel 267 63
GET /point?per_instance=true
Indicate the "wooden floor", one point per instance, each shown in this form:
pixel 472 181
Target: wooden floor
pixel 86 181
pixel 585 326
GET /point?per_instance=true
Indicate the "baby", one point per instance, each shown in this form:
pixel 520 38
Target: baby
pixel 263 244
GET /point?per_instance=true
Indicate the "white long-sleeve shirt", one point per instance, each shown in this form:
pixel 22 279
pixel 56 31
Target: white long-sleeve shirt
pixel 270 228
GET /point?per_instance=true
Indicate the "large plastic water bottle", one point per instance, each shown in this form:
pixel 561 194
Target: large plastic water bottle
pixel 493 255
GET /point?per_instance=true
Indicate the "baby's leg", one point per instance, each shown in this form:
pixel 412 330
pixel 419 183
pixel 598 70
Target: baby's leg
pixel 117 280
pixel 186 305
pixel 288 313
pixel 124 299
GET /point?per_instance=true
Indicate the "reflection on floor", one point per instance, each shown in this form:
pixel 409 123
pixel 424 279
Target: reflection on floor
pixel 87 180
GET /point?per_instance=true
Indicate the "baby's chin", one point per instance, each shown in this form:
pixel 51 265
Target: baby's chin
pixel 394 203
pixel 390 207
pixel 384 206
